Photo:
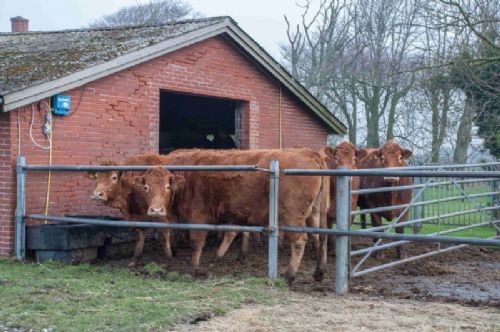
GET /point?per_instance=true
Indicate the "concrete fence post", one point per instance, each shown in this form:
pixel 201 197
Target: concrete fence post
pixel 20 228
pixel 342 242
pixel 274 178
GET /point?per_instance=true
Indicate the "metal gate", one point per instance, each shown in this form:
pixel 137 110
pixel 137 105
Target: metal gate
pixel 446 205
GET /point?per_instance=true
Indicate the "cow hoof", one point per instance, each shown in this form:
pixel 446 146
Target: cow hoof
pixel 290 279
pixel 196 273
pixel 319 275
pixel 133 264
pixel 241 257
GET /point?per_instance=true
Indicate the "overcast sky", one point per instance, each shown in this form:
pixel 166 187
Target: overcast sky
pixel 262 19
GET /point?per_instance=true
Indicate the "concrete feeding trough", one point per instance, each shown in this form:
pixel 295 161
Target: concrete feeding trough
pixel 78 243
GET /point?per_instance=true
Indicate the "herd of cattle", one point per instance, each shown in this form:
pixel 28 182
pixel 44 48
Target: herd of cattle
pixel 242 198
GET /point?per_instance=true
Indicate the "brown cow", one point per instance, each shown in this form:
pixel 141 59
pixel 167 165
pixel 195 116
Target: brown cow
pixel 243 197
pixel 343 155
pixel 391 154
pixel 114 189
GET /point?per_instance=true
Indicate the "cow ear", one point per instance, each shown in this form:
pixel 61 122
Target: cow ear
pixel 361 153
pixel 327 152
pixel 407 153
pixel 92 175
pixel 177 181
pixel 330 151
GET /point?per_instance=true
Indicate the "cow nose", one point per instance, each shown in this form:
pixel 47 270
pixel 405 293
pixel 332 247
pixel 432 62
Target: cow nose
pixel 99 195
pixel 391 179
pixel 156 211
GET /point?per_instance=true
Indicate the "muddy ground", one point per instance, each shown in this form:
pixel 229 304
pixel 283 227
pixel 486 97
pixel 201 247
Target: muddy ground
pixel 469 276
pixel 308 312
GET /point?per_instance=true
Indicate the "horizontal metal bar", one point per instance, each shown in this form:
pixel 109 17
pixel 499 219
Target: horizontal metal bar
pixel 435 201
pixel 455 166
pixel 397 243
pixel 415 186
pixel 141 168
pixel 259 229
pixel 409 237
pixel 149 224
pixel 406 260
pixel 442 216
pixel 393 172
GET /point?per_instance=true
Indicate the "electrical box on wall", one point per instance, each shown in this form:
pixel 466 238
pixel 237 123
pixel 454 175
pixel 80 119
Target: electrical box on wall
pixel 61 104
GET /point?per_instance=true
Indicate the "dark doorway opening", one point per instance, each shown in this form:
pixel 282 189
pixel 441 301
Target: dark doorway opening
pixel 188 121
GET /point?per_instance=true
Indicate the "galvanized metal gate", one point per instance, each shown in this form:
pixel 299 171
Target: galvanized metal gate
pixel 449 204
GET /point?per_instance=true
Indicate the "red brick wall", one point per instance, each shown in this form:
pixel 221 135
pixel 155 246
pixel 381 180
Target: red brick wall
pixel 7 189
pixel 118 116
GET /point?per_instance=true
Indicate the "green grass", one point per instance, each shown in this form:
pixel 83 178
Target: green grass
pixel 478 232
pixel 91 298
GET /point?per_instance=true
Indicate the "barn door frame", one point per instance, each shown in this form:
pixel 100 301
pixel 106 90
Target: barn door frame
pixel 238 113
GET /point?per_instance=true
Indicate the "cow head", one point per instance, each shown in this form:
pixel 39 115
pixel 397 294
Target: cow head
pixel 391 154
pixel 106 183
pixel 344 154
pixel 158 187
pixel 368 158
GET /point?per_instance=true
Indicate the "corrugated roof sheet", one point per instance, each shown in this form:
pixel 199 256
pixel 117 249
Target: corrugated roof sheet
pixel 31 58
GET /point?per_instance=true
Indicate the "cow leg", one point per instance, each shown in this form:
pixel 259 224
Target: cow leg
pixel 245 242
pixel 321 262
pixel 297 245
pixel 226 243
pixel 139 246
pixel 331 238
pixel 314 220
pixel 400 230
pixel 198 238
pixel 166 242
pixel 363 221
pixel 281 239
pixel 256 240
pixel 377 221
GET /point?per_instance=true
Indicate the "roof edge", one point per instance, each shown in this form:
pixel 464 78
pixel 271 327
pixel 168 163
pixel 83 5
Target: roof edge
pixel 19 98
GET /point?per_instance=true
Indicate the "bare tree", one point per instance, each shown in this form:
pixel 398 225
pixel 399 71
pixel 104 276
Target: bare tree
pixel 152 12
pixel 321 53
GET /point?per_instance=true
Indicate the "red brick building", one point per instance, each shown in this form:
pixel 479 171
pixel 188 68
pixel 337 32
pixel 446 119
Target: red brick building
pixel 135 90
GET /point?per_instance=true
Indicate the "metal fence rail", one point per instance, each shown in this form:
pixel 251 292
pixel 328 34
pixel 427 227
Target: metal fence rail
pixel 342 230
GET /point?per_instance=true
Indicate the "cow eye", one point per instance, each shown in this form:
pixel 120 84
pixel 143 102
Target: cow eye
pixel 167 187
pixel 146 187
pixel 114 177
